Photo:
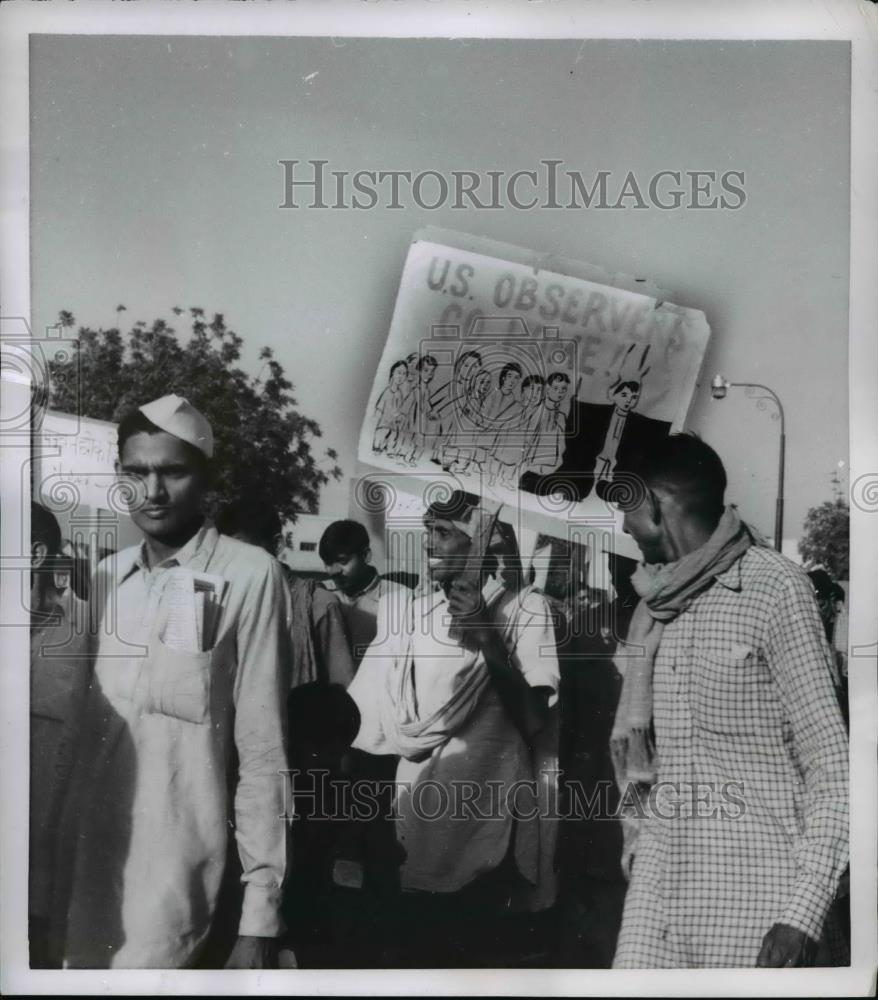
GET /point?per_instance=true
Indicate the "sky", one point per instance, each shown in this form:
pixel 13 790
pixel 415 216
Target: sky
pixel 155 182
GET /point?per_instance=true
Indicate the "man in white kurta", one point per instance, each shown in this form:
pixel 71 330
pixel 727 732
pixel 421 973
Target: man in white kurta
pixel 485 768
pixel 158 794
pixel 466 776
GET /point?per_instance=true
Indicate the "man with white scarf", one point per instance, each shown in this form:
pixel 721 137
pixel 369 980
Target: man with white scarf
pixel 465 694
pixel 728 744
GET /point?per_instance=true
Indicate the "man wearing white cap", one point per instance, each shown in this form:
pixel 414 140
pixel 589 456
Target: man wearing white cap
pixel 191 656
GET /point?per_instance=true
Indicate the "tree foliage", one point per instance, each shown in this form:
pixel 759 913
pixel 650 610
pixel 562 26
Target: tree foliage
pixel 826 538
pixel 263 450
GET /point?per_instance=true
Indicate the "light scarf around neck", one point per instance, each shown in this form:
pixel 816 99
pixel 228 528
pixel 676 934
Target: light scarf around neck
pixel 414 732
pixel 665 592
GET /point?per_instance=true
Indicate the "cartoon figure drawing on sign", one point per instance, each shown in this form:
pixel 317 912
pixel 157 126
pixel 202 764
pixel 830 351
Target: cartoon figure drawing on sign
pixel 404 444
pixel 424 426
pixel 504 403
pixel 602 436
pixel 389 410
pixel 624 394
pixel 469 444
pixel 546 445
pixel 450 401
pixel 455 391
pixel 481 418
pixel 510 419
pixel 533 394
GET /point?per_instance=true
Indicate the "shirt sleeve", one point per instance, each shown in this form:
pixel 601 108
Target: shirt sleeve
pixel 333 643
pixel 535 652
pixel 369 688
pixel 800 661
pixel 260 688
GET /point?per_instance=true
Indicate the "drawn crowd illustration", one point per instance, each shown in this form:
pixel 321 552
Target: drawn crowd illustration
pixel 516 429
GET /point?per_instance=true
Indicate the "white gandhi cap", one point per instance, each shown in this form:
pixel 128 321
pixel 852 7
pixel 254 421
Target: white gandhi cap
pixel 176 415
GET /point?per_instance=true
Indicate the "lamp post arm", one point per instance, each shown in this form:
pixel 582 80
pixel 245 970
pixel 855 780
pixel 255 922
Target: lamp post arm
pixel 778 514
pixel 771 394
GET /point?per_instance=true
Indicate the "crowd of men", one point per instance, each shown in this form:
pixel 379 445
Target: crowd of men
pixel 234 767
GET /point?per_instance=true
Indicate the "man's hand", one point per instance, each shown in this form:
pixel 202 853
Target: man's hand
pixel 785 947
pixel 254 953
pixel 630 835
pixel 465 598
pixel 470 622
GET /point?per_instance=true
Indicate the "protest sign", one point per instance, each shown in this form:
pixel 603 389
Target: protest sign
pixel 528 379
pixel 76 456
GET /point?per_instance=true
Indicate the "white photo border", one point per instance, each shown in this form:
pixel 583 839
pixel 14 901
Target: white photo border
pixel 853 20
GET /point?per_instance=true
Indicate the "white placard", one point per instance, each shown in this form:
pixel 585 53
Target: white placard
pixel 529 380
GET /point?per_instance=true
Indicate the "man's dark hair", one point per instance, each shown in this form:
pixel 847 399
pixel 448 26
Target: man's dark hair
pixel 558 377
pixel 631 384
pixel 133 423
pixel 136 422
pixel 427 359
pixel 44 528
pixel 343 538
pixel 688 468
pixel 259 523
pixel 467 354
pixel 532 380
pixel 398 364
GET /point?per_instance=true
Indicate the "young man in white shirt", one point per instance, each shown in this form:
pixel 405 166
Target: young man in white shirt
pixel 156 798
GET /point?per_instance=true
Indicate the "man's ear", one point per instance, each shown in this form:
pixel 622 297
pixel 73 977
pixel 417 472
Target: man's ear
pixel 39 553
pixel 367 555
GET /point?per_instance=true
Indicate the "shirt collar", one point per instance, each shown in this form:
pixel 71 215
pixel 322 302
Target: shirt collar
pixel 200 544
pixel 732 576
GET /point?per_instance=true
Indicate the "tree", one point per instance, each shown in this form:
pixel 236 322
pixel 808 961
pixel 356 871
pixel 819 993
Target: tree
pixel 263 445
pixel 826 538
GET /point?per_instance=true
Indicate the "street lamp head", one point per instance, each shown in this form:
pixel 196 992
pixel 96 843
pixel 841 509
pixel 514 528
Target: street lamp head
pixel 719 387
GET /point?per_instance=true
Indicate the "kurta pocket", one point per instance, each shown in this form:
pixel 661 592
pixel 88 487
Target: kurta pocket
pixel 179 683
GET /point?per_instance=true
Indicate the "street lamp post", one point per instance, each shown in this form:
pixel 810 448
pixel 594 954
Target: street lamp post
pixel 718 388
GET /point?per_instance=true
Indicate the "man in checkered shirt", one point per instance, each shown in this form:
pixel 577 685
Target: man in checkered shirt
pixel 744 834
